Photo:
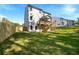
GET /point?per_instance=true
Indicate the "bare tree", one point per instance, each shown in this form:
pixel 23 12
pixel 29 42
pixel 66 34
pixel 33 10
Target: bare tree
pixel 45 23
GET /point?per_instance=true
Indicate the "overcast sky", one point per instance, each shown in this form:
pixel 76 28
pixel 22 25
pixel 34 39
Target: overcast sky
pixel 15 12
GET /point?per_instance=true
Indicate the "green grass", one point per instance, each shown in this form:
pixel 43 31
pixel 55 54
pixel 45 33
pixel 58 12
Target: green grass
pixel 62 42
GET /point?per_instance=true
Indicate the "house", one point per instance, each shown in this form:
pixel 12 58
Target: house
pixel 62 22
pixel 33 16
pixel 18 27
pixel 70 23
pixel 59 22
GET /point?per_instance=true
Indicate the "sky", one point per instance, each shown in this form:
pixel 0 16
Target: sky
pixel 15 12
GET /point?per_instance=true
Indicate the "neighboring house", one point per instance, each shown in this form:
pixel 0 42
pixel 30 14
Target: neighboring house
pixel 59 22
pixel 70 23
pixel 77 21
pixel 62 22
pixel 19 28
pixel 32 17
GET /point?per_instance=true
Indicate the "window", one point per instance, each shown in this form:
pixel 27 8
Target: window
pixel 30 8
pixel 31 27
pixel 31 17
pixel 55 20
pixel 58 24
pixel 39 11
pixel 62 23
pixel 35 27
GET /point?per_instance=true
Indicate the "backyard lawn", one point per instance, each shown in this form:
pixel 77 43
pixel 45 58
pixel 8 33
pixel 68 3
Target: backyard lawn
pixel 64 41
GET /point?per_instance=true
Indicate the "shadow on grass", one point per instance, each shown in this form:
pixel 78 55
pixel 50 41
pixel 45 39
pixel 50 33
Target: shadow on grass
pixel 69 43
pixel 40 44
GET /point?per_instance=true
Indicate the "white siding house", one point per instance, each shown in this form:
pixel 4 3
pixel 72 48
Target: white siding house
pixel 61 22
pixel 32 16
pixel 70 22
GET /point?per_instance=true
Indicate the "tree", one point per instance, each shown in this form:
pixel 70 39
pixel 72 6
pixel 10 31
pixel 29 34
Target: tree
pixel 78 21
pixel 45 23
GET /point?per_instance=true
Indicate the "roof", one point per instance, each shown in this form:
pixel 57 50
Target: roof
pixel 38 9
pixel 66 19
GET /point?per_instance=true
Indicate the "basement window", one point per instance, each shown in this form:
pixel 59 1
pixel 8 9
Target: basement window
pixel 35 27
